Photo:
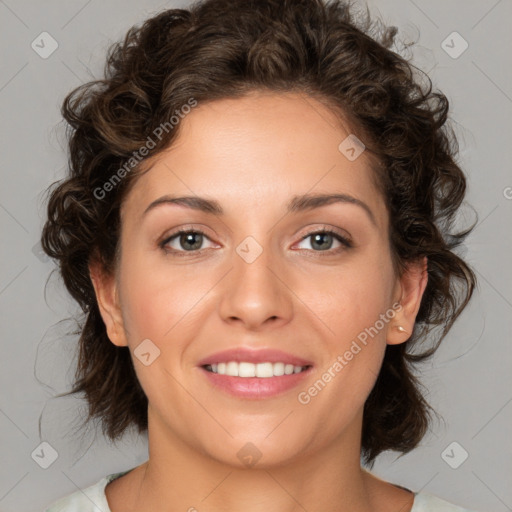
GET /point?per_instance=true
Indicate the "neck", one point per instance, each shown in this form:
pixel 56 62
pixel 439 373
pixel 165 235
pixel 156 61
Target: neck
pixel 179 476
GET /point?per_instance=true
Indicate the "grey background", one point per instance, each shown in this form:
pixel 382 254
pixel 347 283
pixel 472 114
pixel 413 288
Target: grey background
pixel 468 381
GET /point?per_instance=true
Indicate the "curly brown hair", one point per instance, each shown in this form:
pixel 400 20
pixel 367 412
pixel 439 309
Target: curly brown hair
pixel 220 49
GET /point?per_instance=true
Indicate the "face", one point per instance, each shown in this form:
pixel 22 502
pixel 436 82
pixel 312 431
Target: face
pixel 278 283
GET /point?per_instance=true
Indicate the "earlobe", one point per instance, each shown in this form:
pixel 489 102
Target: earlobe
pixel 105 288
pixel 412 283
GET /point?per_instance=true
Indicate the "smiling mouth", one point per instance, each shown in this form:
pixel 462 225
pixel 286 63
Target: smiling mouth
pixel 262 370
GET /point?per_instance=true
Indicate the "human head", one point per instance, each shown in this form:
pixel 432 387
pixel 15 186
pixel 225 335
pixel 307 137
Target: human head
pixel 228 49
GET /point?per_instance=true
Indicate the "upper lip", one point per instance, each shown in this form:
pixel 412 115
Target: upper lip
pixel 242 354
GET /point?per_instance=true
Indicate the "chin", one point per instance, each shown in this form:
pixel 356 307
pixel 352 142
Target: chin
pixel 255 451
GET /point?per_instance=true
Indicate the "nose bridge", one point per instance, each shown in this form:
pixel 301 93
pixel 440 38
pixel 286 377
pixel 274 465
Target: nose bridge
pixel 254 290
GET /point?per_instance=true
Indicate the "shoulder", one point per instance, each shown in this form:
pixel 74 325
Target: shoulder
pixel 90 499
pixel 425 502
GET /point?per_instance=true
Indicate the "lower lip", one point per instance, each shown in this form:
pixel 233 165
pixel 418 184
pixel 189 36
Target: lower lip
pixel 256 387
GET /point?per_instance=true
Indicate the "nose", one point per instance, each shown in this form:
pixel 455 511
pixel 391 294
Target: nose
pixel 255 294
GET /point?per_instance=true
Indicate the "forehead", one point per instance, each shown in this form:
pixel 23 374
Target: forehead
pixel 258 150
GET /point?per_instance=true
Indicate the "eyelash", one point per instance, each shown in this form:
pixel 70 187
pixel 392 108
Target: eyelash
pixel 344 241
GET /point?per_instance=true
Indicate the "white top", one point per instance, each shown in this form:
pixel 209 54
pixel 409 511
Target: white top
pixel 93 499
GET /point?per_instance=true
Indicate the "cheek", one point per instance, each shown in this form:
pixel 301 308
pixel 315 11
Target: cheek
pixel 353 308
pixel 353 297
pixel 157 305
pixel 163 302
pixel 356 305
pixel 153 300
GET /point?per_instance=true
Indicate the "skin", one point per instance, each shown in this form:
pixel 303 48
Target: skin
pixel 252 155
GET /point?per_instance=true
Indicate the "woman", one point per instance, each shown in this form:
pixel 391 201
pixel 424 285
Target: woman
pixel 257 224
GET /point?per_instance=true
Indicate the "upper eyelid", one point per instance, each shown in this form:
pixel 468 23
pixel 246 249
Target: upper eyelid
pixel 184 229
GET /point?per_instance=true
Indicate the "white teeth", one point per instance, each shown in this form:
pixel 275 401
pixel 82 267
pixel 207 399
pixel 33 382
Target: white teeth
pixel 232 369
pixel 288 369
pixel 262 370
pixel 244 370
pixel 278 369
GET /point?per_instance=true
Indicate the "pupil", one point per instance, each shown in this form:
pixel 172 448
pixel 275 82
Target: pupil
pixel 322 239
pixel 189 238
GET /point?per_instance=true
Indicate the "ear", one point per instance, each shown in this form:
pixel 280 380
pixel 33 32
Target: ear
pixel 106 289
pixel 410 288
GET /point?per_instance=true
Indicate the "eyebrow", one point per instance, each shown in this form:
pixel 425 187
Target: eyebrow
pixel 296 204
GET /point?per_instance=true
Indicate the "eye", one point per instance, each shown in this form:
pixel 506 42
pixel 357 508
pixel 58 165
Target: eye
pixel 323 240
pixel 183 241
pixel 190 241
